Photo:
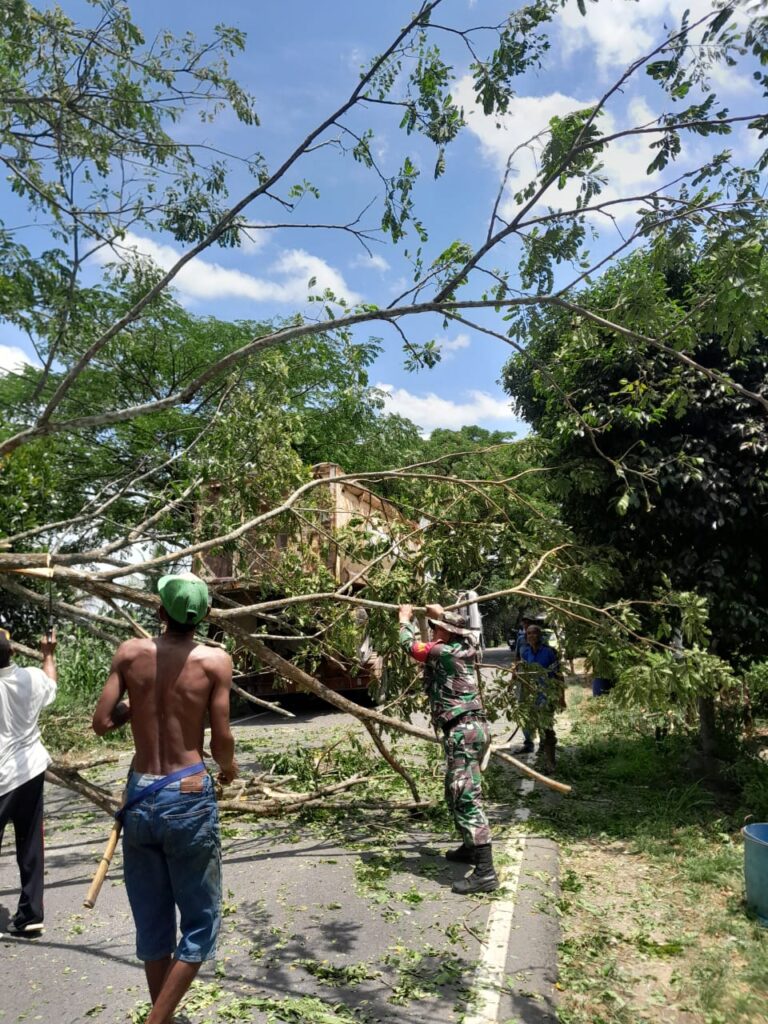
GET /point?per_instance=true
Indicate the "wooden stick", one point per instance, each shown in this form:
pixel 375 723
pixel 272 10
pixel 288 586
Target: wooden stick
pixel 137 629
pixel 79 766
pixel 69 778
pixel 531 773
pixel 101 870
pixel 262 703
pixel 28 652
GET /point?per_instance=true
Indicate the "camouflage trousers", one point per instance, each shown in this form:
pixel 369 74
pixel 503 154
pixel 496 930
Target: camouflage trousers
pixel 464 746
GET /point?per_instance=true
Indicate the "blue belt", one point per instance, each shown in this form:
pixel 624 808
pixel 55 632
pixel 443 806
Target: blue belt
pixel 158 784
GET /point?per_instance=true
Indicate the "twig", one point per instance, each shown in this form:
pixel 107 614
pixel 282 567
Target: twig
pixel 80 766
pixel 531 772
pixel 391 760
pixel 262 703
pixel 72 780
pixel 138 630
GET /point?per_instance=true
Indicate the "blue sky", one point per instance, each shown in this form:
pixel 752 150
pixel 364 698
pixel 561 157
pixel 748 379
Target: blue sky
pixel 300 62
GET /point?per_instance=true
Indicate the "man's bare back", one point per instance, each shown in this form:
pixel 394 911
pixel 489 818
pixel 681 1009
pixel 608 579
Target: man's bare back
pixel 171 683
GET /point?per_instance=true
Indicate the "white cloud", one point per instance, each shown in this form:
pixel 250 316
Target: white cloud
pixel 749 142
pixel 381 148
pixel 618 31
pixel 399 285
pixel 202 279
pixel 299 266
pixel 430 411
pixel 372 262
pixel 525 125
pixel 612 35
pixel 500 134
pixel 354 59
pixel 449 346
pixel 254 239
pixel 13 358
pixel 726 81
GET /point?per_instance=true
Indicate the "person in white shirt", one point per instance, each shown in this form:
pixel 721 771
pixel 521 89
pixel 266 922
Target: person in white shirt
pixel 24 692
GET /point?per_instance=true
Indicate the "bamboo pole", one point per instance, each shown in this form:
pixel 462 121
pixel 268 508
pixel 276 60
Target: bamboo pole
pixel 101 870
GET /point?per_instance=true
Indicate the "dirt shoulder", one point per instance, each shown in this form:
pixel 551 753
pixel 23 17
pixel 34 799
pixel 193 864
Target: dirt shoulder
pixel 652 913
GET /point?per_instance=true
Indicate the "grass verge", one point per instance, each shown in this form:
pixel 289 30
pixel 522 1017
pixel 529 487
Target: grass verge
pixel 653 919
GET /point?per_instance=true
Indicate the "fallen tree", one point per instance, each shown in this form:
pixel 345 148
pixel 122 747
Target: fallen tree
pixel 157 405
pixel 110 591
pixel 265 795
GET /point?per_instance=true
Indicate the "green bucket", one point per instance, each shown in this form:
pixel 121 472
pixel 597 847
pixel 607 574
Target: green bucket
pixel 756 869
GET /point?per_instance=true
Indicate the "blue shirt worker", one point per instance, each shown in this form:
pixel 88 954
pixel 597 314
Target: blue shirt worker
pixel 457 713
pixel 518 645
pixel 547 682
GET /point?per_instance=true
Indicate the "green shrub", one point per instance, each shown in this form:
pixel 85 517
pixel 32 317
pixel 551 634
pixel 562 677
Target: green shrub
pixel 756 679
pixel 83 663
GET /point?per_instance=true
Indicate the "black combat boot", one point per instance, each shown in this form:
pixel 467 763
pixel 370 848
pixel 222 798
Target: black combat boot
pixel 483 878
pixel 462 854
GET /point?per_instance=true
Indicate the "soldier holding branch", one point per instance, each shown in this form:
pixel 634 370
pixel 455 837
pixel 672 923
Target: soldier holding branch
pixel 459 719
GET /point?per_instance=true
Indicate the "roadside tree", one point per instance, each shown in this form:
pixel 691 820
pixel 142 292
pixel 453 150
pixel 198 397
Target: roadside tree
pixel 94 146
pixel 658 461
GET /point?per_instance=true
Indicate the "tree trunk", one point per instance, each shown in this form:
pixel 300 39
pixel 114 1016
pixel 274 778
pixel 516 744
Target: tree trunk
pixel 707 728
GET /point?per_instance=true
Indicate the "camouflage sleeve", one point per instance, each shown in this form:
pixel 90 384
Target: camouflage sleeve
pixel 447 659
pixel 416 649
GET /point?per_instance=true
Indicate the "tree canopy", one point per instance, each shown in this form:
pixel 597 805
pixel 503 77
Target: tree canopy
pixel 139 406
pixel 659 461
pixel 91 145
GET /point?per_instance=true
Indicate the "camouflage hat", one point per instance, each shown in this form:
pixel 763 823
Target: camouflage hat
pixel 453 623
pixel 184 597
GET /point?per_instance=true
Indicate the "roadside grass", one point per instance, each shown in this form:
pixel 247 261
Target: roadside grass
pixel 83 666
pixel 654 927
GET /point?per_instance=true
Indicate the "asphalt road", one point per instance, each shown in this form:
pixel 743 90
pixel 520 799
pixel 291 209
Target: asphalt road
pixel 401 948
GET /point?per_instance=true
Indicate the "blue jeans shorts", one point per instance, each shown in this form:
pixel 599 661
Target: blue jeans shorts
pixel 172 859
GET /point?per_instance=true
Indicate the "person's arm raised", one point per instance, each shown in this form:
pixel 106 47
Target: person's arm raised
pixel 111 711
pixel 48 650
pixel 222 740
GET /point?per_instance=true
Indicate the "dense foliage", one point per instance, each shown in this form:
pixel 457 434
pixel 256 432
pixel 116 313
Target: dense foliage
pixel 661 463
pixel 148 429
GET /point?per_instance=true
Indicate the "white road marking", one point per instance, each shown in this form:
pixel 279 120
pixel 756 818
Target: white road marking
pixel 492 961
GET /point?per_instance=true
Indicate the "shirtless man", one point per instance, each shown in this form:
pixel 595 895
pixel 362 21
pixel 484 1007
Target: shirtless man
pixel 171 846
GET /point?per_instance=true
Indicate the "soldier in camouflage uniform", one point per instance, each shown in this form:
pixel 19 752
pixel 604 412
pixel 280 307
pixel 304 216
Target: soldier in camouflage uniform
pixel 459 720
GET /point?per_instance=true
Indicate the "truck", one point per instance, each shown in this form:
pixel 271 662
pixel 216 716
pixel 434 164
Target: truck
pixel 250 573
